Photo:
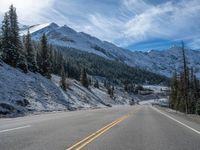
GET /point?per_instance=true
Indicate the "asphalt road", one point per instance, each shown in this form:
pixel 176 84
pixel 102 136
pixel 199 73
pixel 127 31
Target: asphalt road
pixel 119 128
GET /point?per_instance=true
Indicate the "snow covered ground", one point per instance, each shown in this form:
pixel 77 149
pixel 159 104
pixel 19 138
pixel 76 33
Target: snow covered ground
pixel 21 94
pixel 159 101
pixel 157 88
pixel 24 93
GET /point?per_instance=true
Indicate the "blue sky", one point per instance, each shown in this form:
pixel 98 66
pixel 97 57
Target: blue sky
pixel 132 24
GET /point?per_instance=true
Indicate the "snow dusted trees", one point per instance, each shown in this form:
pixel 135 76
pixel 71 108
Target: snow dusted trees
pixel 63 83
pixel 185 80
pixel 0 45
pixel 23 55
pixel 31 53
pixel 45 66
pixel 5 46
pixel 96 84
pixel 198 107
pixel 174 92
pixel 185 89
pixel 13 53
pixel 110 90
pixel 83 78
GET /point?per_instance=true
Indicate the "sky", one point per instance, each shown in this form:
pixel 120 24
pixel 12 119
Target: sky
pixel 132 24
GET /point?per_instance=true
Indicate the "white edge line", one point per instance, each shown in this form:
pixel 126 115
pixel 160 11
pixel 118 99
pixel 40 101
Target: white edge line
pixel 198 132
pixel 17 128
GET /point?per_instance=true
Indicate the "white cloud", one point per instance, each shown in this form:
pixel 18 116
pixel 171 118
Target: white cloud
pixel 29 11
pixel 124 22
pixel 138 21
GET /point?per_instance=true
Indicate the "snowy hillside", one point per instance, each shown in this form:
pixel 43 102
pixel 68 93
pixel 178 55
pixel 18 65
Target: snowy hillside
pixel 22 93
pixel 162 62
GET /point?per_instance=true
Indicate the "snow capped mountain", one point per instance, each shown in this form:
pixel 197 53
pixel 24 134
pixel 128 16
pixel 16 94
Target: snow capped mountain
pixel 32 28
pixel 67 37
pixel 163 62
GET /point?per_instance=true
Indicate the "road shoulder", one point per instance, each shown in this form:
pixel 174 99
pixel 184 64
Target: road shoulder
pixel 192 121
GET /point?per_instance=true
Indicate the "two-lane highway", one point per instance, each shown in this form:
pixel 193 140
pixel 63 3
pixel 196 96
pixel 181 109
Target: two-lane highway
pixel 118 128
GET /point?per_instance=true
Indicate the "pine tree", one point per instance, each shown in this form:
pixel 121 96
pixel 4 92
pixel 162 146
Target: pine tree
pixel 6 49
pixel 83 78
pixel 45 69
pixel 63 84
pixel 96 84
pixel 185 81
pixel 13 53
pixel 15 43
pixel 31 54
pixel 51 57
pixel 110 91
pixel 174 92
pixel 21 61
pixel 198 107
pixel 191 93
pixel 39 60
pixel 68 70
pixel 105 83
pixel 1 45
pixel 18 54
pixel 89 81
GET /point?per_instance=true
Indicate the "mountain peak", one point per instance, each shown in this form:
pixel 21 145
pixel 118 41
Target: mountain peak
pixel 68 29
pixel 54 25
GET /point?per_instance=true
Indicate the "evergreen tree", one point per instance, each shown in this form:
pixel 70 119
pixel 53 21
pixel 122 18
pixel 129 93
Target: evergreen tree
pixel 45 69
pixel 39 60
pixel 31 54
pixel 198 107
pixel 83 79
pixel 89 81
pixel 185 81
pixel 126 87
pixel 63 84
pixel 13 53
pixel 110 91
pixel 96 84
pixel 21 61
pixel 191 94
pixel 104 83
pixel 6 49
pixel 51 57
pixel 68 69
pixel 1 51
pixel 18 54
pixel 174 92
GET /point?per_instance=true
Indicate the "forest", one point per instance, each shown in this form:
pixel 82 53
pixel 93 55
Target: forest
pixel 185 89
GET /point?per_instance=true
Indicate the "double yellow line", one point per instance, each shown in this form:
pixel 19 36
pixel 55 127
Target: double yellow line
pixel 93 136
pixel 90 138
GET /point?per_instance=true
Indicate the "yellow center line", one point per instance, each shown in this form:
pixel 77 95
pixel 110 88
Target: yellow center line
pixel 95 135
pixel 87 142
pixel 91 135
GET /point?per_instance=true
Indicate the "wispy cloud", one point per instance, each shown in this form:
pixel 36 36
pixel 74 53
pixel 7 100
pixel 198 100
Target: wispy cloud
pixel 29 11
pixel 124 22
